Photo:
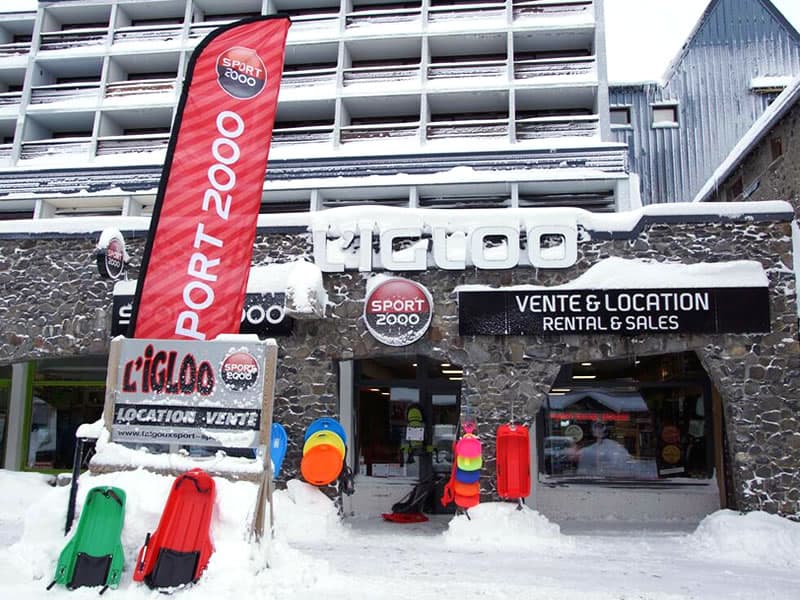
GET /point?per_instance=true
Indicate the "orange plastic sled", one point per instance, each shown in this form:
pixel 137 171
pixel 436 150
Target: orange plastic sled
pixel 513 462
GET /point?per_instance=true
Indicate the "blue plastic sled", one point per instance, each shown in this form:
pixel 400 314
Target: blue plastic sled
pixel 277 451
pixel 323 424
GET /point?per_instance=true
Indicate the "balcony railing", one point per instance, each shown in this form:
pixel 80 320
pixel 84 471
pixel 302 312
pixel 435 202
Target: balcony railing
pixel 553 127
pixel 308 77
pixel 132 144
pixel 553 67
pixel 15 48
pixel 5 151
pixel 478 10
pixel 75 148
pixel 153 33
pixel 125 89
pixel 451 70
pixel 307 22
pixel 381 73
pixel 312 134
pixel 559 8
pixel 371 131
pixel 468 128
pixel 72 38
pixel 381 16
pixel 10 99
pixel 47 94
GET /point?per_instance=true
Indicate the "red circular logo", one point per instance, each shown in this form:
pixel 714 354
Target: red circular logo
pixel 239 371
pixel 398 311
pixel 241 72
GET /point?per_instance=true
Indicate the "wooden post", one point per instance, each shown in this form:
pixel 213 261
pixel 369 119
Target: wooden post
pixel 265 442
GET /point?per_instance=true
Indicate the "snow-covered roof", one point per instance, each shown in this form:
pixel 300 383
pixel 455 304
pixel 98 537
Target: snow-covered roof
pixel 774 113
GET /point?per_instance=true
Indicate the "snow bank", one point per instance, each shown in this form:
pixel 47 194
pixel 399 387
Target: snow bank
pixel 501 526
pixel 236 569
pixel 755 537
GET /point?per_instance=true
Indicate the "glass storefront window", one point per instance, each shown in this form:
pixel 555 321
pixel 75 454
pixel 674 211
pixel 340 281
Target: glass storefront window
pixel 66 393
pixel 646 419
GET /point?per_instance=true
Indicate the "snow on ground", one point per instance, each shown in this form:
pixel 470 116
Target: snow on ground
pixel 498 553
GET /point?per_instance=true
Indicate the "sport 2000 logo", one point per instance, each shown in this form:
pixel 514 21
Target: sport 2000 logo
pixel 239 370
pixel 241 72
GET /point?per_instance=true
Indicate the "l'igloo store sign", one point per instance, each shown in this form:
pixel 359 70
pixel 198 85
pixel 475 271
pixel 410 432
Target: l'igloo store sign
pixel 169 392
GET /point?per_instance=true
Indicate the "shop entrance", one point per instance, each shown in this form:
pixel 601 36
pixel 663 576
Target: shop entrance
pixel 405 419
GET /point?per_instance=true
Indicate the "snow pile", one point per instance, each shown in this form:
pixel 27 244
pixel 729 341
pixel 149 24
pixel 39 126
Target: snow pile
pixel 305 514
pixel 755 537
pixel 301 512
pixel 26 488
pixel 501 526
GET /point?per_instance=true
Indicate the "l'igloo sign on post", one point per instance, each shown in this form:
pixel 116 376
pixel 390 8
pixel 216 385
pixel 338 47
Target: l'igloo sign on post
pixel 216 394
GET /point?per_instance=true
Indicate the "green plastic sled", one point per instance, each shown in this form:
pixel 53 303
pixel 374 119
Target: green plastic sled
pixel 94 555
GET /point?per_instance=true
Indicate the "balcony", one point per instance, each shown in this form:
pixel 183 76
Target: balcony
pixel 312 24
pixel 127 90
pixel 303 134
pixel 583 67
pixel 14 49
pixel 467 69
pixel 10 101
pixel 132 144
pixel 72 39
pixel 474 11
pixel 300 77
pixel 381 74
pixel 471 128
pixel 379 130
pixel 151 33
pixel 63 149
pixel 537 128
pixel 523 9
pixel 398 16
pixel 85 93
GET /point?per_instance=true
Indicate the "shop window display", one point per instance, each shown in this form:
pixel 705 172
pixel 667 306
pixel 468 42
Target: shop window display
pixel 641 419
pixel 66 393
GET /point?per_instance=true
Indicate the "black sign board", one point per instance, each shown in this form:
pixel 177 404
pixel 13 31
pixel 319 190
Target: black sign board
pixel 263 314
pixel 615 312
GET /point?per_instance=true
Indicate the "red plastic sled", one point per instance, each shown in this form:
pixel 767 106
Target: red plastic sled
pixel 513 462
pixel 412 517
pixel 179 549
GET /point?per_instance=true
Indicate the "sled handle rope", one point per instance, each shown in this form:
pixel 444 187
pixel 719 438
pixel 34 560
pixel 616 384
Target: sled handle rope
pixel 194 481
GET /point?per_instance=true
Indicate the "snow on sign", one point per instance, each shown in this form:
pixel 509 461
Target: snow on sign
pixel 182 392
pixel 398 311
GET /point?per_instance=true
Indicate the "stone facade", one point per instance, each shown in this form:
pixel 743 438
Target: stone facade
pixel 55 304
pixel 769 171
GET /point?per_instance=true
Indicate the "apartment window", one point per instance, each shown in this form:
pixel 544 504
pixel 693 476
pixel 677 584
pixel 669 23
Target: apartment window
pixel 736 190
pixel 621 115
pixel 776 148
pixel 665 115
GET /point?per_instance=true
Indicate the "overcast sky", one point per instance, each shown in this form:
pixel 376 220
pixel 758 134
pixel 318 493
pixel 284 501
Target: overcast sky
pixel 643 36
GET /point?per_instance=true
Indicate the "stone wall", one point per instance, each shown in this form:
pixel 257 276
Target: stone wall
pixel 56 305
pixel 765 177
